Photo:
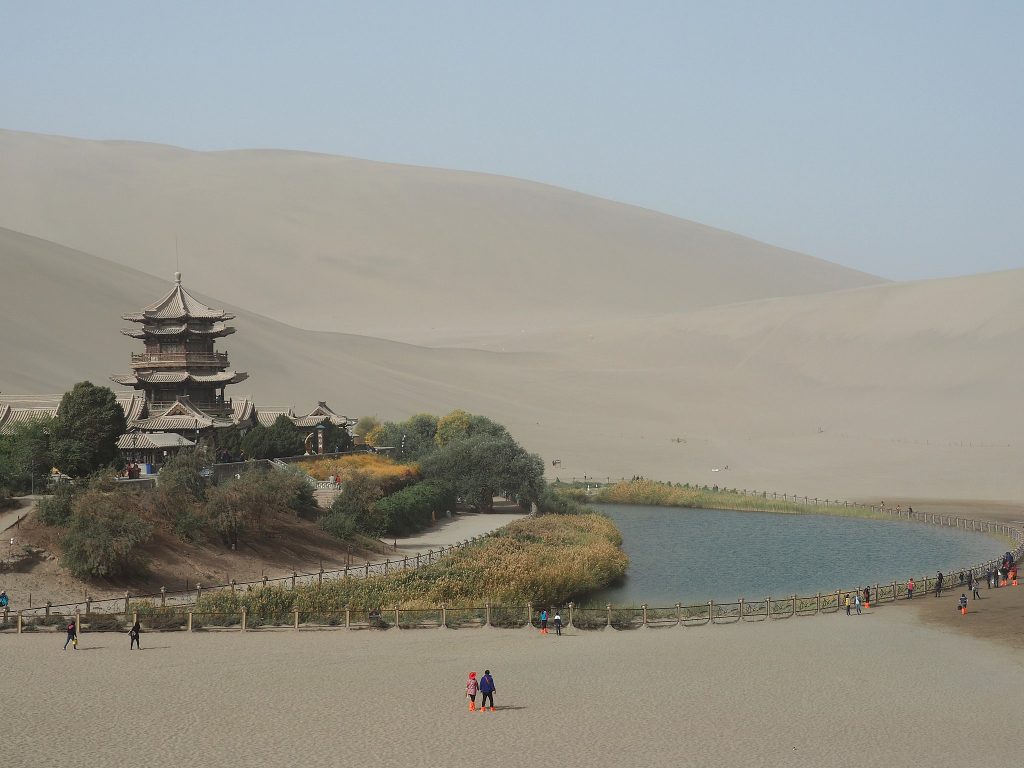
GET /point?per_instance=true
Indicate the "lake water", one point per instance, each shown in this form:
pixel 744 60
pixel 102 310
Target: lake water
pixel 695 555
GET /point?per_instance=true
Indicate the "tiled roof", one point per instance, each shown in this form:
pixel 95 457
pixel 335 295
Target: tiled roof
pixel 178 377
pixel 149 441
pixel 133 405
pixel 216 329
pixel 267 416
pixel 182 415
pixel 10 417
pixel 310 421
pixel 242 410
pixel 178 305
pixel 223 377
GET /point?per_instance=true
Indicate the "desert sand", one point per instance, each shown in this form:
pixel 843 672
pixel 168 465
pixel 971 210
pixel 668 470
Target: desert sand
pixel 876 690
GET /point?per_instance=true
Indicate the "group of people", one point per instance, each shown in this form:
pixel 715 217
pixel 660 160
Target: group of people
pixel 855 602
pixel 133 634
pixel 557 621
pixel 484 686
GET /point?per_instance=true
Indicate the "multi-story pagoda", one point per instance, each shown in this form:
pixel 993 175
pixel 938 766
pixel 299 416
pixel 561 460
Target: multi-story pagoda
pixel 181 374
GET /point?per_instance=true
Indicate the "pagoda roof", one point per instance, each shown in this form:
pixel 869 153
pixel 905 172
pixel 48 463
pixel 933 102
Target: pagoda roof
pixel 179 377
pixel 182 329
pixel 267 416
pixel 182 415
pixel 242 410
pixel 179 304
pixel 322 414
pixel 22 410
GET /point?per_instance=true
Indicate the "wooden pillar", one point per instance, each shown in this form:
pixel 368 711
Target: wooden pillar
pixel 417 559
pixel 529 615
pixel 487 614
pixel 711 611
pixel 243 620
pixel 265 577
pixel 444 616
pixel 397 625
pixel 320 576
pixel 127 598
pixel 163 596
pixel 741 609
pixel 367 570
pixel 644 607
pixel 48 604
pixel 295 619
pixel 19 622
pixel 88 605
pixel 199 592
pixel 78 624
pixel 571 606
pixel 189 625
pixel 768 607
pixel 609 608
pixel 679 613
pixel 817 603
pixel 387 563
pixel 348 617
pixel 232 586
pixel 294 575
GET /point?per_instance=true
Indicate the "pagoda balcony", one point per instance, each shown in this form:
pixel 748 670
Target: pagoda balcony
pixel 142 359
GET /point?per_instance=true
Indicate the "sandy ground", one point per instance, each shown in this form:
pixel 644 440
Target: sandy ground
pixel 876 690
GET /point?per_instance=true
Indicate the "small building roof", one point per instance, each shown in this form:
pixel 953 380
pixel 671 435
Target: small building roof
pixel 183 415
pixel 152 441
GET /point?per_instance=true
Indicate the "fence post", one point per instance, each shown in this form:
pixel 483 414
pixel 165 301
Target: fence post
pixel 405 562
pixel 367 570
pixel 570 614
pixel 444 616
pixel 529 615
pixel 794 606
pixel 346 570
pixel 609 624
pixel 817 603
pixel 199 592
pixel 711 611
pixel 19 622
pixel 320 577
pixel 396 617
pixel 265 577
pixel 893 591
pixel 78 623
pixel 679 613
pixel 48 604
pixel 487 614
pixel 417 559
pixel 127 597
pixel 644 606
pixel 768 607
pixel 386 564
pixel 135 618
pixel 741 609
pixel 244 615
pixel 295 612
pixel 88 604
pixel 348 617
pixel 189 626
pixel 163 597
pixel 294 574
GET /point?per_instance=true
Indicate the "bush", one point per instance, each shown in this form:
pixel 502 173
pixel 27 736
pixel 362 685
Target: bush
pixel 56 510
pixel 104 534
pixel 244 504
pixel 354 510
pixel 411 509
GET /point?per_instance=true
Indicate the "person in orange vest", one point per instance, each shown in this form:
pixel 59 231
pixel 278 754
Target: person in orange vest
pixel 963 604
pixel 910 588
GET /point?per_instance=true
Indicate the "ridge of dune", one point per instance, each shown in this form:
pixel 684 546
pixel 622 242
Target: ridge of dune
pixel 903 390
pixel 407 252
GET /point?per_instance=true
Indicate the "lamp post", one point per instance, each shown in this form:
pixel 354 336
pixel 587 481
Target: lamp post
pixel 320 438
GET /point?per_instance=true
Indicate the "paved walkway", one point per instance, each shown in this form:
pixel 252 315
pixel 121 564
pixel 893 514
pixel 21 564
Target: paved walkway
pixel 10 517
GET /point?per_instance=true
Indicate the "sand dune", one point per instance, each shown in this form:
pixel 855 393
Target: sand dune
pixel 913 387
pixel 416 254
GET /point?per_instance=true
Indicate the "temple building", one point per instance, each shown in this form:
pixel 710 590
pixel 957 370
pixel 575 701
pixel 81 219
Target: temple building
pixel 181 374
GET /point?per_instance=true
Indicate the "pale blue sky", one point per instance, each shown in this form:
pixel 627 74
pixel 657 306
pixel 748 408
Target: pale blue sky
pixel 885 136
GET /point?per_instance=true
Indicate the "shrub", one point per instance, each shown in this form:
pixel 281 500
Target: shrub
pixel 56 510
pixel 354 509
pixel 411 509
pixel 104 534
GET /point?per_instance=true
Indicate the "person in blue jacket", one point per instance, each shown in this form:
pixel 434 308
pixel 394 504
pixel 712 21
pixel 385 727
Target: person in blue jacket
pixel 487 689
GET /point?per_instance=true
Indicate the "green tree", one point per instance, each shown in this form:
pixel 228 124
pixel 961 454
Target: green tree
pixel 56 510
pixel 26 455
pixel 284 438
pixel 89 422
pixel 229 439
pixel 411 439
pixel 480 467
pixel 244 505
pixel 256 443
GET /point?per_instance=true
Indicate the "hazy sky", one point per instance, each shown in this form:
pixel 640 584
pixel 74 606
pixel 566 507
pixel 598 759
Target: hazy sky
pixel 885 136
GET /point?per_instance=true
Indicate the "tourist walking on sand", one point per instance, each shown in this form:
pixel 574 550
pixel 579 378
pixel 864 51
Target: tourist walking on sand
pixel 471 689
pixel 963 603
pixel 558 624
pixel 487 689
pixel 847 604
pixel 133 634
pixel 856 603
pixel 72 637
pixel 975 594
pixel 544 622
pixel 910 588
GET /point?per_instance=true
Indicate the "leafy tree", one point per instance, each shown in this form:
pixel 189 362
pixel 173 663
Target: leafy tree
pixel 181 476
pixel 479 467
pixel 26 455
pixel 256 443
pixel 105 534
pixel 451 427
pixel 412 439
pixel 229 439
pixel 412 508
pixel 365 425
pixel 89 422
pixel 246 503
pixel 284 438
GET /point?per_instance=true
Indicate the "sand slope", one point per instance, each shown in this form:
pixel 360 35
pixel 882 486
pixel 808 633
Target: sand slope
pixel 417 254
pixel 913 387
